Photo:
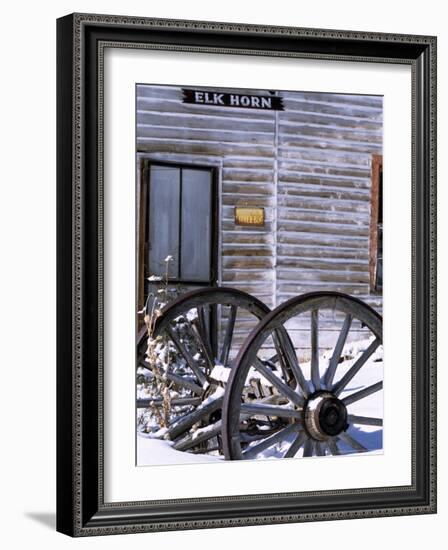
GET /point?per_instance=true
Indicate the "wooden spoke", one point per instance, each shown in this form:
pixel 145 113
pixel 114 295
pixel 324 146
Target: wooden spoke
pixel 158 402
pixel 187 356
pixel 247 438
pixel 203 323
pixel 334 361
pixel 187 421
pixel 364 420
pixel 363 393
pixel 308 448
pixel 352 442
pixel 184 382
pixel 279 356
pixel 283 388
pixel 339 386
pixel 262 409
pixel 290 358
pixel 333 446
pixel 315 376
pixel 269 441
pixel 320 448
pixel 202 345
pixel 198 436
pixel 224 357
pixel 296 444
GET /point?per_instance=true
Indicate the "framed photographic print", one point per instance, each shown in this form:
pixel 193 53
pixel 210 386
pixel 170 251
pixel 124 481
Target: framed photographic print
pixel 246 274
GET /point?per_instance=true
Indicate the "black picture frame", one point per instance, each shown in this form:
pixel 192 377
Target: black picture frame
pixel 81 510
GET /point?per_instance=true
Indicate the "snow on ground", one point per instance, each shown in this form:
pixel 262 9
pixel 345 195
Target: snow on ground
pixel 152 451
pixel 159 452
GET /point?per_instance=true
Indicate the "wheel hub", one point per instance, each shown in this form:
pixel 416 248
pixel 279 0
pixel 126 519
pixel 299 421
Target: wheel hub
pixel 325 416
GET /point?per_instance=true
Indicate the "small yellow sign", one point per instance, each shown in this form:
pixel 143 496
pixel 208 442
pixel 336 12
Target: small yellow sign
pixel 245 215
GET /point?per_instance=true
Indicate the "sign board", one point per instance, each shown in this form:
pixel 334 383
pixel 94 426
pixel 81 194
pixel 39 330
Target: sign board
pixel 245 215
pixel 222 99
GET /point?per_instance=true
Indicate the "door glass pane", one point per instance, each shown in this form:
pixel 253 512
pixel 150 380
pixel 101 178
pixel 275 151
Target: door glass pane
pixel 163 230
pixel 196 225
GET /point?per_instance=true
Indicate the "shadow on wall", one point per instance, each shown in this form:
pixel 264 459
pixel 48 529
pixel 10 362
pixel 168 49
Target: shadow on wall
pixel 47 519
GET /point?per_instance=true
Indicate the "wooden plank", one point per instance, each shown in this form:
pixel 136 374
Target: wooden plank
pixel 319 119
pixel 332 265
pixel 339 110
pixel 164 207
pixel 254 250
pixel 297 202
pixel 198 147
pixel 331 175
pixel 324 190
pixel 289 289
pixel 155 120
pixel 206 134
pixel 323 239
pixel 347 159
pixel 174 107
pixel 303 252
pixel 249 163
pixel 299 141
pixel 322 226
pixel 350 99
pixel 230 199
pixel 239 175
pixel 286 148
pixel 316 216
pixel 250 276
pixel 247 262
pixel 242 188
pixel 196 225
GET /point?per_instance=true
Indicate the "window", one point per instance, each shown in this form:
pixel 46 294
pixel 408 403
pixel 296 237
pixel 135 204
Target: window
pixel 376 226
pixel 180 223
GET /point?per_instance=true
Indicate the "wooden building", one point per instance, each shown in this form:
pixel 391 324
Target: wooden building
pixel 313 164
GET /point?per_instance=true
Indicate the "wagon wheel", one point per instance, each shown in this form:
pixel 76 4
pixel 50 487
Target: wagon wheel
pixel 324 413
pixel 196 422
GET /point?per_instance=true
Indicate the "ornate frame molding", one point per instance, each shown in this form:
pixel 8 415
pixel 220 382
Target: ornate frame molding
pixel 81 42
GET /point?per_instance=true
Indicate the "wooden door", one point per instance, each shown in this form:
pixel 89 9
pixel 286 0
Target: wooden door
pixel 179 220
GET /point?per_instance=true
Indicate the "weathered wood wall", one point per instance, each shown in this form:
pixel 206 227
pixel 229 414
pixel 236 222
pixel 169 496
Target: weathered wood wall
pixel 308 166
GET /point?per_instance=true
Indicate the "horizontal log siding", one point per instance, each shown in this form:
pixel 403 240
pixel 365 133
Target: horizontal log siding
pixel 325 146
pixel 309 169
pixel 243 140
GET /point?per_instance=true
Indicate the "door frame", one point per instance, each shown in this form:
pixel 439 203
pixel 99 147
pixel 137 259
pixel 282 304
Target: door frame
pixel 142 189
